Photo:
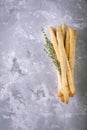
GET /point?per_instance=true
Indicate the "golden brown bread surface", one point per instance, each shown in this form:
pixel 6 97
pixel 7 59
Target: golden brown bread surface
pixel 64 43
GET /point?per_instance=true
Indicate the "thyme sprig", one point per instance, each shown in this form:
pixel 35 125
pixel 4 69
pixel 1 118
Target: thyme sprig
pixel 49 49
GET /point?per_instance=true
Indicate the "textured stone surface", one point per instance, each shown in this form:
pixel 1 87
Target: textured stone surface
pixel 28 80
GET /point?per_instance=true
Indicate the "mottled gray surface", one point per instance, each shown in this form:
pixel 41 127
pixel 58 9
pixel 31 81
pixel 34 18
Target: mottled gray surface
pixel 28 80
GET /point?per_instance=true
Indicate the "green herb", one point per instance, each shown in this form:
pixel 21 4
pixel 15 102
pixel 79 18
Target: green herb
pixel 49 49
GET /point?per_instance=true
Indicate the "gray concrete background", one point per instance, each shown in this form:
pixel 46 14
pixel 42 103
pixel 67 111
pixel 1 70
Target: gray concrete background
pixel 28 80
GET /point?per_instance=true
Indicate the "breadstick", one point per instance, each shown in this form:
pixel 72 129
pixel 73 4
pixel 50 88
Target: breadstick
pixel 67 49
pixel 72 49
pixel 55 44
pixel 72 46
pixel 63 64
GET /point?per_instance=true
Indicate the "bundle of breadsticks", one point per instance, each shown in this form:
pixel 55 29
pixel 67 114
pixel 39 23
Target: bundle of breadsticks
pixel 63 44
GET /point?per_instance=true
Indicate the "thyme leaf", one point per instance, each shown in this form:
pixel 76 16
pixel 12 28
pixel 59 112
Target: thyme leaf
pixel 49 49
